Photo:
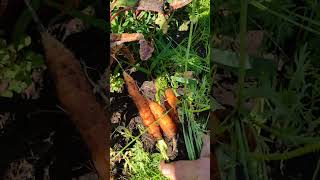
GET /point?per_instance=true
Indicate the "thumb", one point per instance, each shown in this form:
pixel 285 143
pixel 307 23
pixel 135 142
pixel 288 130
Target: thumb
pixel 205 152
pixel 167 170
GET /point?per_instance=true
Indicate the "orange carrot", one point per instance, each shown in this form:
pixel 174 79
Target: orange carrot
pixel 172 102
pixel 171 97
pixel 167 125
pixel 143 107
pixel 77 99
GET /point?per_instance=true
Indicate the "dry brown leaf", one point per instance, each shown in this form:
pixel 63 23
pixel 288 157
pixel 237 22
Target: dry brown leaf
pixel 123 50
pixel 116 49
pixel 150 5
pixel 148 89
pixel 146 49
pixel 127 54
pixel 176 4
pixel 114 52
pixel 117 39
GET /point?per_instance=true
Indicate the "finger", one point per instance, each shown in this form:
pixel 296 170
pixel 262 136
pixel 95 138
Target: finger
pixel 204 170
pixel 205 152
pixel 168 170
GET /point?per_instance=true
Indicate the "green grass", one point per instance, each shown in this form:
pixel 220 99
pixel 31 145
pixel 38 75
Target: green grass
pixel 284 105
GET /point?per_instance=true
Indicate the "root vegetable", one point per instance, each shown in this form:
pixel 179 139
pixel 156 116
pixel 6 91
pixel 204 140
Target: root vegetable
pixel 167 125
pixel 146 115
pixel 171 97
pixel 77 99
pixel 172 102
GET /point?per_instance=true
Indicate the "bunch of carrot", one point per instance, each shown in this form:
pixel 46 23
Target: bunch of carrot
pixel 151 111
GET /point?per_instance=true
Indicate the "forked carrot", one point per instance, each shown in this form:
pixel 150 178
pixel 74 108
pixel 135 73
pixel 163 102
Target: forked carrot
pixel 146 115
pixel 167 125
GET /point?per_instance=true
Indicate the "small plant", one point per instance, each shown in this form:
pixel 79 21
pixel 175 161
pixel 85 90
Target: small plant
pixel 142 165
pixel 116 83
pixel 138 164
pixel 17 63
pixel 161 84
pixel 130 23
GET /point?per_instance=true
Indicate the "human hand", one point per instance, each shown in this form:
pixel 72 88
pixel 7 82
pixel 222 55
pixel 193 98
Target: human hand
pixel 190 170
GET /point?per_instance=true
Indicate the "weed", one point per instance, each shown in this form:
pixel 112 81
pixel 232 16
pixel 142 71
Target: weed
pixel 116 83
pixel 16 65
pixel 139 164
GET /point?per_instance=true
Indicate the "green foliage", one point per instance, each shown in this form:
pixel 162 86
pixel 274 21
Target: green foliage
pixel 282 106
pixel 139 164
pixel 125 3
pixel 161 84
pixel 142 165
pixel 170 59
pixel 177 66
pixel 116 83
pixel 130 23
pixel 17 62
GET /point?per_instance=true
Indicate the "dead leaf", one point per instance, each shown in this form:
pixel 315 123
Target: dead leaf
pixel 184 26
pixel 149 90
pixel 116 117
pixel 123 50
pixel 162 22
pixel 176 4
pixel 146 49
pixel 114 51
pixel 151 5
pixel 127 54
pixel 117 39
